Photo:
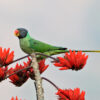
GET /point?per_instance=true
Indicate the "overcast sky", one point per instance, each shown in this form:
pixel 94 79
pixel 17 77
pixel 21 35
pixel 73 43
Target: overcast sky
pixel 74 24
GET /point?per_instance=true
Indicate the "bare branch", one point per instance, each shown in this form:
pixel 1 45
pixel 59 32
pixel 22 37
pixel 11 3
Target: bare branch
pixel 17 72
pixel 50 82
pixel 38 80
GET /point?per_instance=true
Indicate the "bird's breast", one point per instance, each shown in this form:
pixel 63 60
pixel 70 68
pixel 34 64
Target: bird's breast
pixel 25 46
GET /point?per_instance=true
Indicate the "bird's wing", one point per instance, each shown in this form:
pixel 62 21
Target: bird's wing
pixel 39 46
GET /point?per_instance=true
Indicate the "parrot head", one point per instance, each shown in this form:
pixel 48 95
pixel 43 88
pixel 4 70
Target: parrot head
pixel 21 32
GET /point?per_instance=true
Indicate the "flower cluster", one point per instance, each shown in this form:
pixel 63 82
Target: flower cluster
pixel 72 60
pixel 6 57
pixel 21 77
pixel 69 94
pixel 22 72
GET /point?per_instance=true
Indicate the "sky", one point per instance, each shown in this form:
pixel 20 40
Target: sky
pixel 74 24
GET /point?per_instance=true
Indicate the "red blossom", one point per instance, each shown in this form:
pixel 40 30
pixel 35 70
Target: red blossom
pixel 22 76
pixel 3 73
pixel 72 60
pixel 69 94
pixel 6 56
pixel 15 98
pixel 42 68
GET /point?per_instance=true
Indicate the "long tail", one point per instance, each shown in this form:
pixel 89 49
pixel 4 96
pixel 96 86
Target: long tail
pixel 55 52
pixel 62 49
pixel 96 51
pixel 66 50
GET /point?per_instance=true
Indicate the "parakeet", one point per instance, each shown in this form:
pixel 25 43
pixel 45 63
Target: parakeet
pixel 30 45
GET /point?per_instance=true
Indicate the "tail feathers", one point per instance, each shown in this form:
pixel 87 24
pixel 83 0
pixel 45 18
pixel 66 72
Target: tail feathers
pixel 63 50
pixel 96 51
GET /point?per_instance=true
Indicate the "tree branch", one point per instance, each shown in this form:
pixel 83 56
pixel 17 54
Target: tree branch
pixel 50 82
pixel 38 80
pixel 18 59
pixel 17 72
pixel 42 54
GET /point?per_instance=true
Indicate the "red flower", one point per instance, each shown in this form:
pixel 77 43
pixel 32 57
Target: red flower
pixel 72 60
pixel 15 98
pixel 21 77
pixel 42 68
pixel 3 73
pixel 71 94
pixel 5 56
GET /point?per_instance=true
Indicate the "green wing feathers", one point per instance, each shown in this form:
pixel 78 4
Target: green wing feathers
pixel 39 46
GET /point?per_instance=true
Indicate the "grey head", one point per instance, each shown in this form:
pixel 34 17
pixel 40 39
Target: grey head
pixel 21 33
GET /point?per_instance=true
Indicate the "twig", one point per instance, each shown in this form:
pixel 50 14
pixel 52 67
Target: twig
pixel 17 72
pixel 17 60
pixel 55 59
pixel 38 80
pixel 50 82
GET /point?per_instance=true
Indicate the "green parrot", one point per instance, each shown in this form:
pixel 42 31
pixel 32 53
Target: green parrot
pixel 29 45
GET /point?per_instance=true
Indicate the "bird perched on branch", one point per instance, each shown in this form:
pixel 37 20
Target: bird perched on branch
pixel 30 45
